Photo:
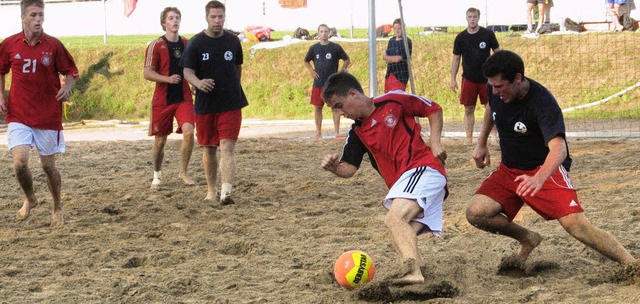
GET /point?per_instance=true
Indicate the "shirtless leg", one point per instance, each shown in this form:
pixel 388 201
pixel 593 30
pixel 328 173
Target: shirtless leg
pixel 25 179
pixel 210 161
pixel 185 152
pixel 484 213
pixel 54 182
pixel 405 240
pixel 580 228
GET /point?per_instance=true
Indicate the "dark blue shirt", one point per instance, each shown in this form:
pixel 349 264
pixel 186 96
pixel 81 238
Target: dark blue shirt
pixel 217 59
pixel 398 69
pixel 526 126
pixel 474 50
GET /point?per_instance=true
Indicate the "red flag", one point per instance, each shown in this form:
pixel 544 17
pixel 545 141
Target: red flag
pixel 129 6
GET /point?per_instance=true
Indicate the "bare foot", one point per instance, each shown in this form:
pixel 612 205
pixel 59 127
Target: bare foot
pixel 211 195
pixel 57 219
pixel 409 274
pixel 186 179
pixel 25 211
pixel 531 241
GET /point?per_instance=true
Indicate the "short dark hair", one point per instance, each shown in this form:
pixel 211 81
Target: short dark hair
pixel 165 12
pixel 339 84
pixel 212 5
pixel 397 21
pixel 503 62
pixel 26 3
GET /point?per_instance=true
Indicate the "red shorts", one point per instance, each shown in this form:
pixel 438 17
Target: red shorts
pixel 392 83
pixel 316 97
pixel 162 117
pixel 470 91
pixel 556 199
pixel 211 128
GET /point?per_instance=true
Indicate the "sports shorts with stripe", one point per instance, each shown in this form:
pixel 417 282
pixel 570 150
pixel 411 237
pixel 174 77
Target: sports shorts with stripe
pixel 428 188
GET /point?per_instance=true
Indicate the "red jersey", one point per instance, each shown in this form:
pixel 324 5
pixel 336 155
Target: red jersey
pixel 165 56
pixel 391 136
pixel 35 81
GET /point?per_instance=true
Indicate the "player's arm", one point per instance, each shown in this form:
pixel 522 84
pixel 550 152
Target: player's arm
pixel 151 74
pixel 65 91
pixel 455 67
pixel 333 164
pixel 481 152
pixel 435 125
pixel 345 64
pixel 530 185
pixel 311 70
pixel 205 85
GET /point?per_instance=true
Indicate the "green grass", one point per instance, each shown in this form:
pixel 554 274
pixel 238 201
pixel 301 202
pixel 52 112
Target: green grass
pixel 577 69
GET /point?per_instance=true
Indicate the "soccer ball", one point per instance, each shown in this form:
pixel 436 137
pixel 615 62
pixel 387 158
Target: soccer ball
pixel 353 268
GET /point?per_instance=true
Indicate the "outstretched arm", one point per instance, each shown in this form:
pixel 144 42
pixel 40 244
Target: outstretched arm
pixel 333 164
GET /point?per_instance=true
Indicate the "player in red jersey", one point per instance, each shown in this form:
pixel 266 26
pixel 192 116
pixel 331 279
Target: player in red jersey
pixel 172 96
pixel 34 107
pixel 385 128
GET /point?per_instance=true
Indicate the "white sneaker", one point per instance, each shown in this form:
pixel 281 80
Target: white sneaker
pixel 155 183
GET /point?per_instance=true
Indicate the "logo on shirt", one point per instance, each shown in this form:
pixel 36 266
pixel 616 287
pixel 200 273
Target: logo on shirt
pixel 374 122
pixel 228 56
pixel 328 56
pixel 573 204
pixel 46 59
pixel 390 120
pixel 520 127
pixel 483 45
pixel 17 56
pixel 177 53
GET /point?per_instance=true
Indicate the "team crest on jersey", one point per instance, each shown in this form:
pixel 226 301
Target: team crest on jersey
pixel 328 56
pixel 177 53
pixel 520 127
pixel 46 59
pixel 390 120
pixel 483 45
pixel 228 56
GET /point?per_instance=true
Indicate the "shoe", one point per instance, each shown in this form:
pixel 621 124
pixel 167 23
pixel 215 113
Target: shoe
pixel 155 184
pixel 545 29
pixel 227 201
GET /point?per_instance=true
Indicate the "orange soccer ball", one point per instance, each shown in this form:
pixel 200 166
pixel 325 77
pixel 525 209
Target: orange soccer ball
pixel 353 268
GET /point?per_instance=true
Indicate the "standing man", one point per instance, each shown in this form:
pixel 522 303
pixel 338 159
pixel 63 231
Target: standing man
pixel 212 64
pixel 172 96
pixel 395 56
pixel 386 130
pixel 474 46
pixel 534 167
pixel 34 107
pixel 325 56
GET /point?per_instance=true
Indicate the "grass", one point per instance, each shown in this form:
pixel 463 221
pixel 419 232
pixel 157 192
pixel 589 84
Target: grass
pixel 577 69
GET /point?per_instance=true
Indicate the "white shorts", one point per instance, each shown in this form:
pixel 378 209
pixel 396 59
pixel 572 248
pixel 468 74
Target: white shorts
pixel 427 187
pixel 48 142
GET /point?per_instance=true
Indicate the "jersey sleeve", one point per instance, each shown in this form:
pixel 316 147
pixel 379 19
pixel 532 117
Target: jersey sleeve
pixel 457 48
pixel 550 119
pixel 189 57
pixel 493 41
pixel 342 54
pixel 239 57
pixel 150 58
pixel 64 61
pixel 415 105
pixel 5 64
pixel 309 56
pixel 353 150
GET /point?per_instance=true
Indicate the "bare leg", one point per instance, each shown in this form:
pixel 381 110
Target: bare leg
pixel 157 154
pixel 614 12
pixel 469 121
pixel 336 121
pixel 484 213
pixel 530 18
pixel 540 15
pixel 210 161
pixel 185 152
pixel 227 168
pixel 580 228
pixel 405 240
pixel 54 181
pixel 318 119
pixel 23 174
